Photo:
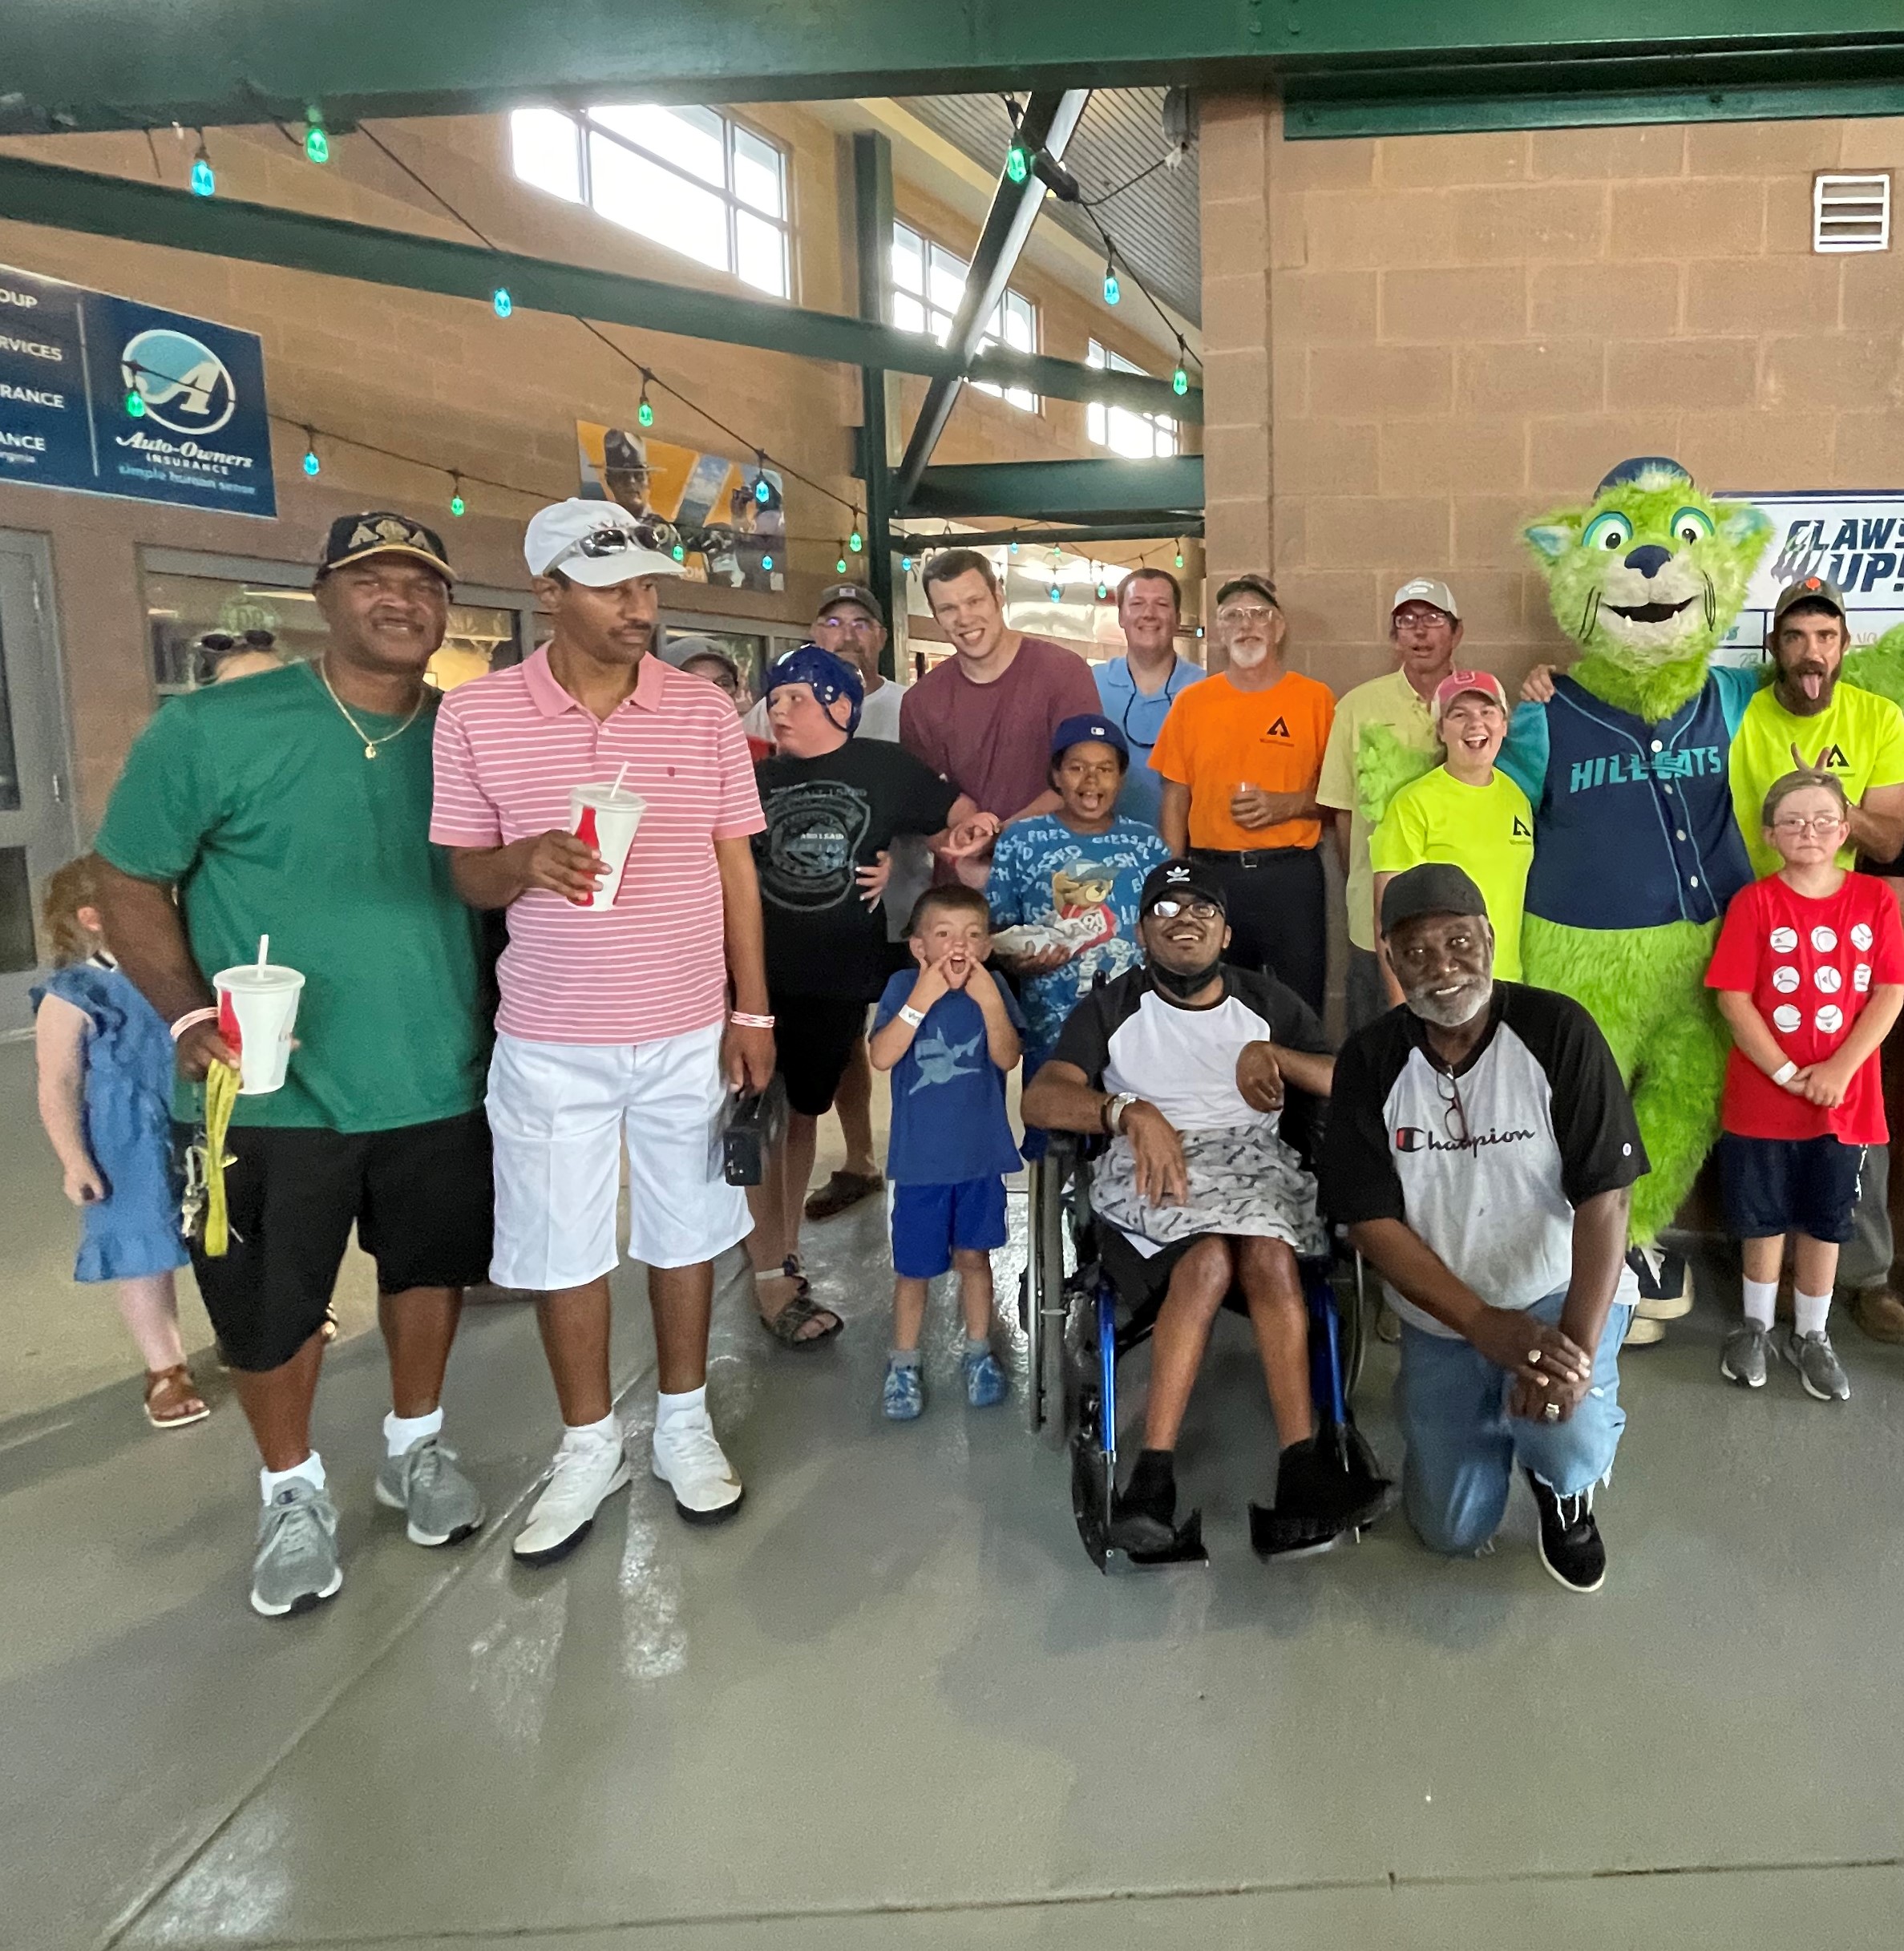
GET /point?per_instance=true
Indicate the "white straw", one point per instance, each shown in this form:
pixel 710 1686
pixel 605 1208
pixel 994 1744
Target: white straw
pixel 264 950
pixel 615 790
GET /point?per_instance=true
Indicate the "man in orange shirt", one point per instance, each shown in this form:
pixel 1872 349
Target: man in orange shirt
pixel 1240 755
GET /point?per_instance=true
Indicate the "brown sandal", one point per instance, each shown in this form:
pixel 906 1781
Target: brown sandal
pixel 172 1399
pixel 785 1326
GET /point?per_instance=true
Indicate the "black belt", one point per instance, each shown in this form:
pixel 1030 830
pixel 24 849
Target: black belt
pixel 1245 856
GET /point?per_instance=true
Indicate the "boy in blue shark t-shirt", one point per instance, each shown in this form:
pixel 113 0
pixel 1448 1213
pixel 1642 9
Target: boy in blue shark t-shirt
pixel 948 1032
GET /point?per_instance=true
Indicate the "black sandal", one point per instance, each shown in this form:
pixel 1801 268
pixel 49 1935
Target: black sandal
pixel 785 1326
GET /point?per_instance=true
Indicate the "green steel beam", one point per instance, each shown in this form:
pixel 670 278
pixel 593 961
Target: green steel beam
pixel 1085 492
pixel 1049 120
pixel 104 63
pixel 1165 528
pixel 34 193
pixel 872 237
pixel 1329 121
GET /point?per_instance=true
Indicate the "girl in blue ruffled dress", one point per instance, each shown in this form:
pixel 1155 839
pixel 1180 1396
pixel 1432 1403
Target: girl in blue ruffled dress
pixel 105 1099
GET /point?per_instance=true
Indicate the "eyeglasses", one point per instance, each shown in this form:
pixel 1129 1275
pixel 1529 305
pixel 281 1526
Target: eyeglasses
pixel 1246 613
pixel 852 619
pixel 640 532
pixel 1823 823
pixel 1168 909
pixel 1454 1114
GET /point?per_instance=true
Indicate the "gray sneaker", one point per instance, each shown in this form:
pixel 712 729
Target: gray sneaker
pixel 441 1503
pixel 296 1565
pixel 1818 1367
pixel 1743 1358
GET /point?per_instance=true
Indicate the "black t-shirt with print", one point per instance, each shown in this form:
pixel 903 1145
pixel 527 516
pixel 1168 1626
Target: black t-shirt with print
pixel 1487 1164
pixel 828 818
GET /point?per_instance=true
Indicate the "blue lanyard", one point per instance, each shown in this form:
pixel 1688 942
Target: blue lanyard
pixel 1166 698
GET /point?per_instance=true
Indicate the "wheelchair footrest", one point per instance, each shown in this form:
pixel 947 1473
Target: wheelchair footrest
pixel 1184 1546
pixel 1275 1535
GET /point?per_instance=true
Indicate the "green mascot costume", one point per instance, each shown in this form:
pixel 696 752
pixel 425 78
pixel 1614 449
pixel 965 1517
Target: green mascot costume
pixel 1636 853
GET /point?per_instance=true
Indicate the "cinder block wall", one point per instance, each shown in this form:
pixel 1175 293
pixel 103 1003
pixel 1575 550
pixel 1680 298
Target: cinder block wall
pixel 1413 345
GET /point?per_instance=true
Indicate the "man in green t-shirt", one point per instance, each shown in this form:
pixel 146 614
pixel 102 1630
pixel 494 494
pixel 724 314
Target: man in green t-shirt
pixel 297 804
pixel 1805 717
pixel 1425 627
pixel 1467 814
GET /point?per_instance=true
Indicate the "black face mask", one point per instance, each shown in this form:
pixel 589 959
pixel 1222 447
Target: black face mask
pixel 1184 986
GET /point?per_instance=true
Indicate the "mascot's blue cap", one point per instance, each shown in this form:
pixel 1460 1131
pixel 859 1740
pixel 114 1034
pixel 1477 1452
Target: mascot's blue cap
pixel 1641 464
pixel 831 677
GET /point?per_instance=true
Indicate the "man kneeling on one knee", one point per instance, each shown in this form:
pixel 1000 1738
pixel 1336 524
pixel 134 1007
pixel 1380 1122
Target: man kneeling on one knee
pixel 1483 1149
pixel 1184 1060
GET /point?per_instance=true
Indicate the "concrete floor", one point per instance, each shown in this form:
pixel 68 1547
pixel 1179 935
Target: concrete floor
pixel 893 1705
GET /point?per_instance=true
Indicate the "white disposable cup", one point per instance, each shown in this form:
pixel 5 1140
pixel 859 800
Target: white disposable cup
pixel 607 821
pixel 257 1009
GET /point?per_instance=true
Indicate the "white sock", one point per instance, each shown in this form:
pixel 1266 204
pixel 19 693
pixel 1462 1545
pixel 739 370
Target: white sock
pixel 610 1426
pixel 403 1432
pixel 690 1406
pixel 1760 1295
pixel 310 1471
pixel 1810 1310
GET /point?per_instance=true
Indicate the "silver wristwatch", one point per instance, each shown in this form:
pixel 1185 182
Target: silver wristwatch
pixel 1115 1107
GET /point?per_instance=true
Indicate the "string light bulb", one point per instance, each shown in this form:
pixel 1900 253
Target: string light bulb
pixel 1103 587
pixel 1180 381
pixel 644 413
pixel 839 568
pixel 1017 162
pixel 1014 548
pixel 503 303
pixel 1179 552
pixel 457 503
pixel 766 561
pixel 311 464
pixel 205 182
pixel 762 493
pixel 679 553
pixel 855 541
pixel 906 565
pixel 1113 290
pixel 317 144
pixel 1057 595
pixel 134 400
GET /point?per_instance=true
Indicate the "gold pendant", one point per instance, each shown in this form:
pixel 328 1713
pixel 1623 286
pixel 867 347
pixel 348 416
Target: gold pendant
pixel 369 752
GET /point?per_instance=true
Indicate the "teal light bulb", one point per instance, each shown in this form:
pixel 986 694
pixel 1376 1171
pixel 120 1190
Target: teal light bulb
pixel 203 183
pixel 1179 382
pixel 135 403
pixel 644 413
pixel 766 561
pixel 503 303
pixel 1018 162
pixel 1112 291
pixel 762 493
pixel 311 462
pixel 317 144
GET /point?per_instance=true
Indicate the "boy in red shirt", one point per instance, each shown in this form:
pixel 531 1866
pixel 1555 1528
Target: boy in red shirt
pixel 1809 969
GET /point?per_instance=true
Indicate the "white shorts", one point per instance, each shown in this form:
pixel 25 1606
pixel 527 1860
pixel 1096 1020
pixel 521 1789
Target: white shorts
pixel 560 1114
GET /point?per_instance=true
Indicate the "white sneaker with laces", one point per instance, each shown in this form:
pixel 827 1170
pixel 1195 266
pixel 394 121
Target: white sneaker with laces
pixel 689 1459
pixel 588 1468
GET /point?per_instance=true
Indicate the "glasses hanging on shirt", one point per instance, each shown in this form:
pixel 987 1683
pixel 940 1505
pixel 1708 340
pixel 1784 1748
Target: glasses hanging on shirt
pixel 1455 1113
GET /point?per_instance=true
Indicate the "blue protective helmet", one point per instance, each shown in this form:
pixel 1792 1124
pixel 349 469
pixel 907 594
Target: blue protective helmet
pixel 831 677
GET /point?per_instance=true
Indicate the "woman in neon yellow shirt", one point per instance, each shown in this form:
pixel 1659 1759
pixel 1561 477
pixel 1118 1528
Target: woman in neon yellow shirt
pixel 1466 814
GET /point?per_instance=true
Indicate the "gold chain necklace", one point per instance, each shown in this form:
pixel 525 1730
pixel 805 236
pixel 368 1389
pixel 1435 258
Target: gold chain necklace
pixel 370 743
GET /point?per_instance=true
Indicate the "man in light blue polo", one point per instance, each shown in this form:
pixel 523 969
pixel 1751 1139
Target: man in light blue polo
pixel 1136 690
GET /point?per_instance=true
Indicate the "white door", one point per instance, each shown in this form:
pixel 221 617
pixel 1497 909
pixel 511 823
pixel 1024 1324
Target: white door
pixel 38 832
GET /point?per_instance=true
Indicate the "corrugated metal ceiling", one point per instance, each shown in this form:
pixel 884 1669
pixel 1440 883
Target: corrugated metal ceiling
pixel 1154 223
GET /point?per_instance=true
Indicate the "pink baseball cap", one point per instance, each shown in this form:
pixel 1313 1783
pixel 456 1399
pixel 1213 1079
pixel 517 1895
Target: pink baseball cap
pixel 1456 683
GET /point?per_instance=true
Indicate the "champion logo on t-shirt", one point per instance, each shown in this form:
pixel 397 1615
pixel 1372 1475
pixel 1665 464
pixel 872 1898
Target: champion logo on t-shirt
pixel 1279 729
pixel 1413 1138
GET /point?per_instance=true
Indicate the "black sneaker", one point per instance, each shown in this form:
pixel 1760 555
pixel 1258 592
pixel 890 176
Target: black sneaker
pixel 1317 1500
pixel 1569 1540
pixel 1144 1512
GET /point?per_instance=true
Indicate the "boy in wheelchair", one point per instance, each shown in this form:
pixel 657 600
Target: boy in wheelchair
pixel 1184 1064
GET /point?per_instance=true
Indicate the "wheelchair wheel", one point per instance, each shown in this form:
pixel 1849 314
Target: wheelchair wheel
pixel 1358 1322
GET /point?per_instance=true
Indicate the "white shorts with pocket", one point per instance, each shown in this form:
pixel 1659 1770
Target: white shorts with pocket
pixel 560 1114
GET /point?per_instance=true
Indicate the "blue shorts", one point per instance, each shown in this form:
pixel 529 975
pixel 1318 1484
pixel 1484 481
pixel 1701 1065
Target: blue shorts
pixel 1779 1186
pixel 931 1223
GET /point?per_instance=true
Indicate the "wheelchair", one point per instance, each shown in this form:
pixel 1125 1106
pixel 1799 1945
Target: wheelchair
pixel 1078 1328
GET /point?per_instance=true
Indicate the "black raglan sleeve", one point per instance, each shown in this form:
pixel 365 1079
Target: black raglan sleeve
pixel 1292 1022
pixel 1594 1125
pixel 1357 1177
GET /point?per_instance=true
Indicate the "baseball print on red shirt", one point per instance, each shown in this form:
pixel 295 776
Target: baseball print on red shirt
pixel 1809 966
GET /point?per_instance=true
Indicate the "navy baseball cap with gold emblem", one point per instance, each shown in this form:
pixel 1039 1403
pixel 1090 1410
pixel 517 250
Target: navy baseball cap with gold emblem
pixel 354 537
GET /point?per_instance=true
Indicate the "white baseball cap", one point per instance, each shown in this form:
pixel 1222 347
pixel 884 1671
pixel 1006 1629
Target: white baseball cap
pixel 597 542
pixel 1422 589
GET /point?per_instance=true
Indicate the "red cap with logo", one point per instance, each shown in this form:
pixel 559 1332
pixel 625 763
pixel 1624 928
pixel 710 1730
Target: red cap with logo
pixel 1456 683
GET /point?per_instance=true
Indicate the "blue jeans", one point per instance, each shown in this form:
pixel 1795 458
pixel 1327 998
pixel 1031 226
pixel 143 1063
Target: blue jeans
pixel 1463 1446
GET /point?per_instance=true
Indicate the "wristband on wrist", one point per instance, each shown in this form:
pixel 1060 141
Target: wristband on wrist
pixel 191 1019
pixel 909 1014
pixel 747 1020
pixel 1785 1072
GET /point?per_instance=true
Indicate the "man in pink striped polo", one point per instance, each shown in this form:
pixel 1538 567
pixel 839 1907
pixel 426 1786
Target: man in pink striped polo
pixel 616 1025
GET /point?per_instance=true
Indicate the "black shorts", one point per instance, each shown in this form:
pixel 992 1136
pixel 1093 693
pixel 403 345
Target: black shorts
pixel 1779 1186
pixel 421 1197
pixel 815 1036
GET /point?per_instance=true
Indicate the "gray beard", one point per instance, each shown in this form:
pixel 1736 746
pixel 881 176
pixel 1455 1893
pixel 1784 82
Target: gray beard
pixel 1457 1010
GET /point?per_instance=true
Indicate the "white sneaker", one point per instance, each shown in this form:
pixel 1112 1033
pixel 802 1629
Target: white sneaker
pixel 587 1468
pixel 689 1459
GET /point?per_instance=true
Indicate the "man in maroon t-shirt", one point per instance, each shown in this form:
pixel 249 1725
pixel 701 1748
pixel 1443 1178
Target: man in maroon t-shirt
pixel 984 718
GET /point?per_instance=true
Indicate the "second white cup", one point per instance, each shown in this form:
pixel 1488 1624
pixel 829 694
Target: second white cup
pixel 605 820
pixel 257 1010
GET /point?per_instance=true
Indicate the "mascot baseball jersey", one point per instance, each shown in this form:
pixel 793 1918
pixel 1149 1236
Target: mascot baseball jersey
pixel 1579 761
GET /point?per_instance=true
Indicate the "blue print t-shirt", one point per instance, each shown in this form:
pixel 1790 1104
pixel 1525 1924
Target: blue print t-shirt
pixel 1042 872
pixel 949 1123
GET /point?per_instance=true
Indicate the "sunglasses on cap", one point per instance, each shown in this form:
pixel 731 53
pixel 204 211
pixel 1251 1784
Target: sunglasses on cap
pixel 647 532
